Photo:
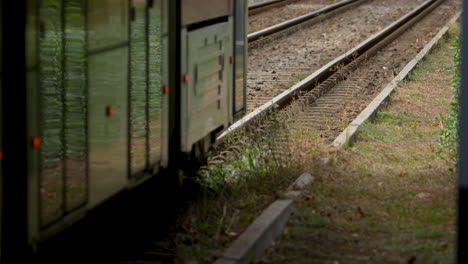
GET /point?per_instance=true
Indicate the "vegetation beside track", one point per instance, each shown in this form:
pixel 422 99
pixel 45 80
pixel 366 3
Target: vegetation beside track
pixel 390 196
pixel 449 134
pixel 234 188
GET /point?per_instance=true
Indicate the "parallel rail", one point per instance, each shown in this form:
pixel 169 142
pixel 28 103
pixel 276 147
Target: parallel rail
pixel 264 4
pixel 323 75
pixel 296 21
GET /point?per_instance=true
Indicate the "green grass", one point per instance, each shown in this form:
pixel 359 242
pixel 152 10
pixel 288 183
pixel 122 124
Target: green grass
pixel 449 137
pixel 238 185
pixel 389 197
pixel 392 118
pixel 424 233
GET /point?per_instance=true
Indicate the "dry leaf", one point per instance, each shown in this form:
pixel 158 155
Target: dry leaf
pixel 361 213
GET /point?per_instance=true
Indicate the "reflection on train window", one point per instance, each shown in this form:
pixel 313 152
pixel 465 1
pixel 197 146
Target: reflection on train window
pixel 62 81
pixel 51 84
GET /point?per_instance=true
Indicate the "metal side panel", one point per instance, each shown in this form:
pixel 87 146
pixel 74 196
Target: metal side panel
pixel 194 11
pixel 108 125
pixel 206 91
pixel 230 66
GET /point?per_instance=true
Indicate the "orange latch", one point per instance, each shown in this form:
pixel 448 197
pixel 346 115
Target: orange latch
pixel 36 142
pixel 186 78
pixel 166 89
pixel 231 60
pixel 109 110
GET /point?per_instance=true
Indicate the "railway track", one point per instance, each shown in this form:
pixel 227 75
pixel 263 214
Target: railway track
pixel 279 64
pixel 321 93
pixel 261 5
pixel 262 17
pixel 291 23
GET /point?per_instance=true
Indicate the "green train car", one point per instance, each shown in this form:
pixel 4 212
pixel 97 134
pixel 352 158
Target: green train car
pixel 100 95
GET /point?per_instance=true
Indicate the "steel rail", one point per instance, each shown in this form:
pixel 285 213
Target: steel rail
pixel 321 75
pixel 296 21
pixel 264 4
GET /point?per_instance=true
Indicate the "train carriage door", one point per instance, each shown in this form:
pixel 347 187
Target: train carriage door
pixel 108 81
pixel 146 89
pixel 240 50
pixel 207 69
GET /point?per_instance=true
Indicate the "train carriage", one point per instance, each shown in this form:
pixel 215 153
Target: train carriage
pixel 100 95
